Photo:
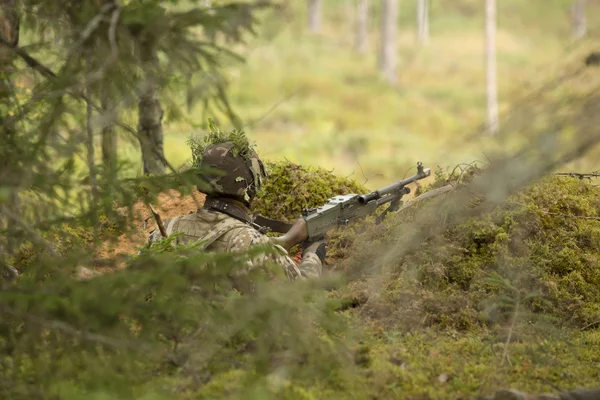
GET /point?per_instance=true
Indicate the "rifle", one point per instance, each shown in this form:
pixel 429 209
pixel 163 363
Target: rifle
pixel 340 210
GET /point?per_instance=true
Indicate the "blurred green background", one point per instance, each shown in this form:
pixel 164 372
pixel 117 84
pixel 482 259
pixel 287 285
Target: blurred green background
pixel 312 99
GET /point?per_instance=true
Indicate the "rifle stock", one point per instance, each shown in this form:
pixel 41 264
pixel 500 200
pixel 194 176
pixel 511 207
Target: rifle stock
pixel 297 234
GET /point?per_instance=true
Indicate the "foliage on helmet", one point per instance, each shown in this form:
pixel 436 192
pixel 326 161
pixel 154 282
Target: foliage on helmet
pixel 237 146
pixel 243 146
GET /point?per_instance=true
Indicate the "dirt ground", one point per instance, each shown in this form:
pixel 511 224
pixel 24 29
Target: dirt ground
pixel 170 204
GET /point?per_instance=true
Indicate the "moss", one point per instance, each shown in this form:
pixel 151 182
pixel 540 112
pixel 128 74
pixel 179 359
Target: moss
pixel 290 188
pixel 66 240
pixel 544 240
pixel 437 365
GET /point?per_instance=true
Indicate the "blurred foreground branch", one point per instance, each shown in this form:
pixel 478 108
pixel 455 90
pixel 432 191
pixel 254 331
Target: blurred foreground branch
pixel 579 175
pixel 427 195
pixel 48 73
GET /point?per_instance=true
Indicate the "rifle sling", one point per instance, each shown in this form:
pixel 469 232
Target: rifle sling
pixel 260 223
pixel 273 224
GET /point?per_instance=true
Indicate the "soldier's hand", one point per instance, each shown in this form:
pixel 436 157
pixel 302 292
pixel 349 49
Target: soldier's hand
pixel 319 248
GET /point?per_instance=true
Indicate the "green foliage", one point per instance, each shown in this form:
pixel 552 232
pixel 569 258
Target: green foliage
pixel 243 146
pixel 290 188
pixel 173 323
pixel 314 101
pixel 442 365
pixel 543 244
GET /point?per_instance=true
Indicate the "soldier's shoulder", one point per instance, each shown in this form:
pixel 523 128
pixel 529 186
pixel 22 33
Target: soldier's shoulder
pixel 243 237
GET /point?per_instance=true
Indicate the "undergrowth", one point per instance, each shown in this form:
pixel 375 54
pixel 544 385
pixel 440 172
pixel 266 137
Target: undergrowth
pixel 290 188
pixel 544 243
pixel 496 300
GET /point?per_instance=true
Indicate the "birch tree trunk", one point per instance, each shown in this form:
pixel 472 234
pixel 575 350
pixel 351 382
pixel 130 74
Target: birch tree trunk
pixel 579 18
pixel 314 15
pixel 422 21
pixel 350 17
pixel 362 26
pixel 491 75
pixel 150 115
pixel 388 58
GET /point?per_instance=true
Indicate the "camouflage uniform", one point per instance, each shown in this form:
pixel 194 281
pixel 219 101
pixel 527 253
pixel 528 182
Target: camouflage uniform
pixel 227 234
pixel 234 174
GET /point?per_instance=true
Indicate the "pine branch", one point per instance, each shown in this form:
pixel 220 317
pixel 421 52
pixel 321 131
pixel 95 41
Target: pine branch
pixel 66 328
pixel 590 325
pixel 114 50
pixel 34 235
pixel 427 195
pixel 93 25
pixel 29 60
pixel 48 73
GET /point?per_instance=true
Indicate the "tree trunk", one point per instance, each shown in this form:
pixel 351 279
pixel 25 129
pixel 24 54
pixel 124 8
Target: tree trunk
pixel 350 17
pixel 109 136
pixel 314 15
pixel 89 144
pixel 579 19
pixel 422 21
pixel 362 26
pixel 491 78
pixel 150 115
pixel 9 31
pixel 389 25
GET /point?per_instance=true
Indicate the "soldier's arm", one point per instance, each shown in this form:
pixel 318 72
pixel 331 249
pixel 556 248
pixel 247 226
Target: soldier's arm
pixel 312 260
pixel 246 238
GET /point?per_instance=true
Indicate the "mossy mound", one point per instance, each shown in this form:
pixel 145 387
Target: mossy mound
pixel 290 188
pixel 538 254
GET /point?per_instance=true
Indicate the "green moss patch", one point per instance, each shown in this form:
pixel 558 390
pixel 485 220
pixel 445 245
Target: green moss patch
pixel 537 254
pixel 290 188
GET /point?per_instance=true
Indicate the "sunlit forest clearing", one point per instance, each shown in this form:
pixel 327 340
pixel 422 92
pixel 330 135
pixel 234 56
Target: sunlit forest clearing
pixel 313 100
pixel 486 278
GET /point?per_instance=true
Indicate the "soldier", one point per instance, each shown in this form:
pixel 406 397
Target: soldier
pixel 224 223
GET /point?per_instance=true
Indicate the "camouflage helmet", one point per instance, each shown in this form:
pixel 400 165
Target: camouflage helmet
pixel 240 176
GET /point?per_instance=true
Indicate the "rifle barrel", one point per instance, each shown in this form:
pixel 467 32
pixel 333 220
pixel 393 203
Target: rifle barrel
pixel 394 187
